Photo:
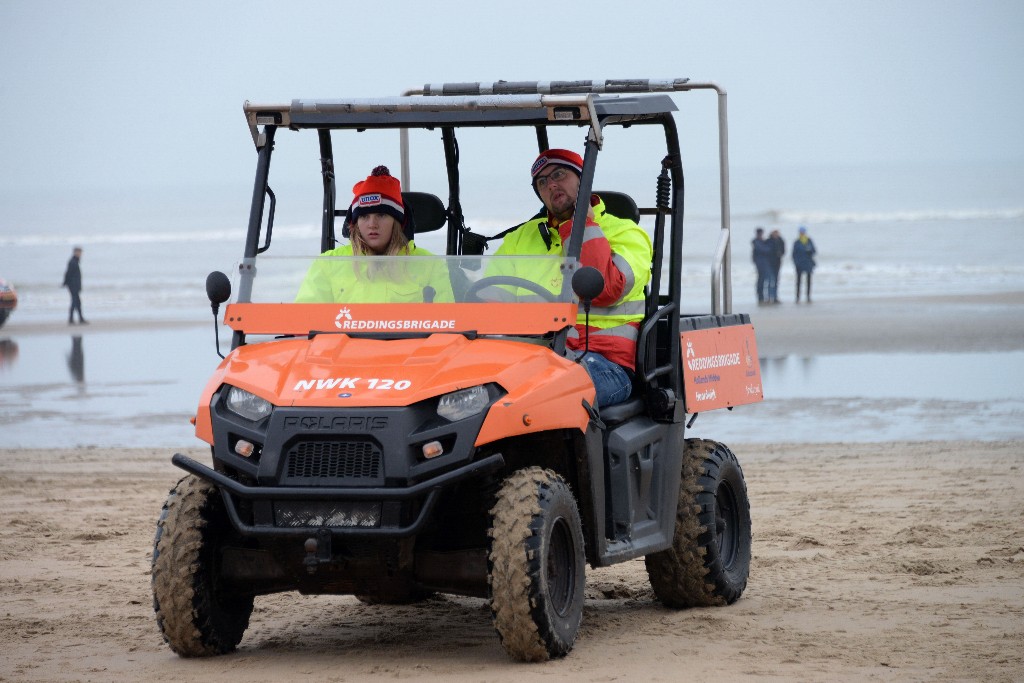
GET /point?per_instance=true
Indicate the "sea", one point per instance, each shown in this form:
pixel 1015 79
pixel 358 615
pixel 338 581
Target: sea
pixel 880 231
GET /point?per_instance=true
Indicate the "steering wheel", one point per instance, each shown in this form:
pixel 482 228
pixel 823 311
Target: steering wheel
pixel 509 280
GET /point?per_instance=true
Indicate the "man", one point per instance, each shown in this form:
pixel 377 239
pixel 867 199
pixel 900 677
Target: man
pixel 778 251
pixel 617 247
pixel 762 255
pixel 73 281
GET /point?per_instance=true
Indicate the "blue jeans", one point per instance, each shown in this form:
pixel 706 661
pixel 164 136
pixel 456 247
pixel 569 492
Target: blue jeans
pixel 610 379
pixel 773 285
pixel 762 282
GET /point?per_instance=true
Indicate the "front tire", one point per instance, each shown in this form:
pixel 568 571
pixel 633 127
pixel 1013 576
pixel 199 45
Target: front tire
pixel 197 612
pixel 536 565
pixel 709 559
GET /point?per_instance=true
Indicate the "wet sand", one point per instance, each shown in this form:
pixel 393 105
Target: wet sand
pixel 953 323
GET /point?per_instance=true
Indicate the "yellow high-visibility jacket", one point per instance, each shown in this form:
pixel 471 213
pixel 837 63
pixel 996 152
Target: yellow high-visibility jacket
pixel 621 250
pixel 391 281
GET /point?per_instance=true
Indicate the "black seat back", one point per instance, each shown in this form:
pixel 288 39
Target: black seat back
pixel 427 211
pixel 619 204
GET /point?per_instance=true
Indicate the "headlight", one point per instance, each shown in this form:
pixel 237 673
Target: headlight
pixel 248 405
pixel 463 403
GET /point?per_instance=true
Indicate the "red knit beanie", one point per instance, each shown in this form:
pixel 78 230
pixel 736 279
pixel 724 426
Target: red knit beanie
pixel 379 193
pixel 558 157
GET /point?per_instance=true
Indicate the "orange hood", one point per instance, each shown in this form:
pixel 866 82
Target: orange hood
pixel 544 391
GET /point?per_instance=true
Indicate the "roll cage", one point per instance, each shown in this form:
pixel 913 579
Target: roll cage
pixel 449 107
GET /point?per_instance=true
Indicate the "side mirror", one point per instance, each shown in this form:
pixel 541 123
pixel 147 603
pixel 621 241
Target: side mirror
pixel 218 288
pixel 587 283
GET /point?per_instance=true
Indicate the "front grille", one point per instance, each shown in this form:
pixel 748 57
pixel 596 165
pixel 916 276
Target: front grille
pixel 323 462
pixel 297 514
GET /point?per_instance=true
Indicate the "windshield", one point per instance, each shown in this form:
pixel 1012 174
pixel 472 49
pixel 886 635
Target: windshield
pixel 407 280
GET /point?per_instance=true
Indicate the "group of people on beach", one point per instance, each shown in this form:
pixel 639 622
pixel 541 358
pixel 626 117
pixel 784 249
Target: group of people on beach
pixel 617 247
pixel 767 253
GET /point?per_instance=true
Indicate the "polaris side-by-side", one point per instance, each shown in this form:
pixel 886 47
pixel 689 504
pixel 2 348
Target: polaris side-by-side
pixel 393 448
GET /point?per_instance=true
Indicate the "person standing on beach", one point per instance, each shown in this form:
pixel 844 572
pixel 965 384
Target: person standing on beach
pixel 73 281
pixel 778 251
pixel 803 259
pixel 762 255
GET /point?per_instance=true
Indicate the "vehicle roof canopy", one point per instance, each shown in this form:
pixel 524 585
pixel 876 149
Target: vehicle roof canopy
pixel 502 103
pixel 532 104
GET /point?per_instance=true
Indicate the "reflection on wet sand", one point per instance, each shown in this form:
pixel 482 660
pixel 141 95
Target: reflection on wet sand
pixel 8 352
pixel 783 365
pixel 76 360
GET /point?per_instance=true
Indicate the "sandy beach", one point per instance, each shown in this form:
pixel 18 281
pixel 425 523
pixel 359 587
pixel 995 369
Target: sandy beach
pixel 901 562
pixel 894 561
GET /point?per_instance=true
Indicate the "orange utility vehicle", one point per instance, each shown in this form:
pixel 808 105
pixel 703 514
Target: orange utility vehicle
pixel 429 440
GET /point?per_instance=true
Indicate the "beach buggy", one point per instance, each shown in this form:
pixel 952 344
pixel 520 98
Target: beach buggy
pixel 449 444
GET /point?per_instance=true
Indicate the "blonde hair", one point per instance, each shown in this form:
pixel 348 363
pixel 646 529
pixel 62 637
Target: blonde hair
pixel 398 245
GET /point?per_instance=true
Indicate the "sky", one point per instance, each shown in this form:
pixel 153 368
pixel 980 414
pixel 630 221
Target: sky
pixel 136 94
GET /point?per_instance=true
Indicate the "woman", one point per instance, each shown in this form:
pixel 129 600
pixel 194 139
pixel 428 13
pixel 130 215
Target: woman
pixel 379 226
pixel 803 259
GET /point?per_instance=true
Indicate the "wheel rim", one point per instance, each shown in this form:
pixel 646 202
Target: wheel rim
pixel 726 523
pixel 561 567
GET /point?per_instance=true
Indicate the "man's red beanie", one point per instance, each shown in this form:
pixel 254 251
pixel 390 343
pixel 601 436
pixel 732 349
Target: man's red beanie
pixel 559 157
pixel 379 193
pixel 556 157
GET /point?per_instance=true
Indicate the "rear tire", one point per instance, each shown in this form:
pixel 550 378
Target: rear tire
pixel 709 559
pixel 536 565
pixel 197 612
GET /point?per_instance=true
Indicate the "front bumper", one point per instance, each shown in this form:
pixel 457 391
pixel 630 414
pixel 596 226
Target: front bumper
pixel 429 490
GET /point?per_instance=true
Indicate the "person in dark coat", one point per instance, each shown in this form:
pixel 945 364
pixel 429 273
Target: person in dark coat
pixel 762 255
pixel 803 259
pixel 73 281
pixel 778 251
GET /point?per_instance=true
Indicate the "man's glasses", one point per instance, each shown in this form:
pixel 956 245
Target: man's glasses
pixel 558 175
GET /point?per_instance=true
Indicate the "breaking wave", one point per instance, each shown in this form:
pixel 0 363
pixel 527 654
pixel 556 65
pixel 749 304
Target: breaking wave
pixel 810 216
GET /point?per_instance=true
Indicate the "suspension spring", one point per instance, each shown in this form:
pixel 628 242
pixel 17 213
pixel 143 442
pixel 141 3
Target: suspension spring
pixel 664 188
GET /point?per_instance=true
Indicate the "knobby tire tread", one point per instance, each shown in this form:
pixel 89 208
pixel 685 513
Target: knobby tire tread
pixel 187 611
pixel 689 573
pixel 515 566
